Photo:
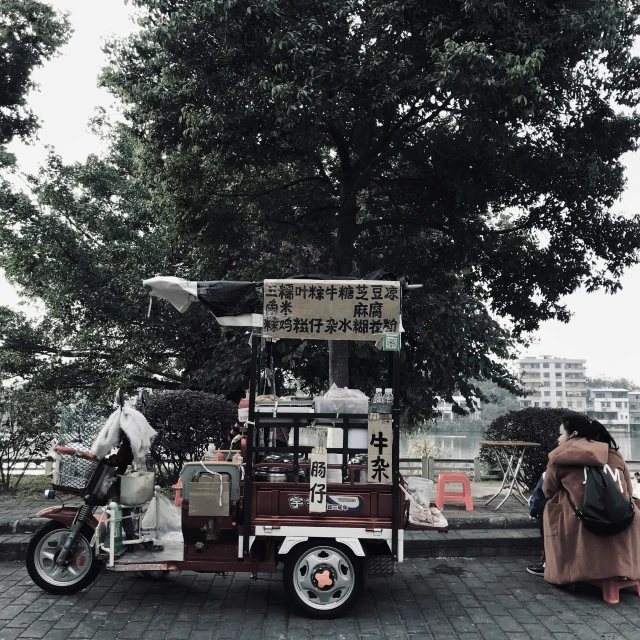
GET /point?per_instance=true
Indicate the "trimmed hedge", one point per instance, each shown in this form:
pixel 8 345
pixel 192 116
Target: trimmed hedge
pixel 186 422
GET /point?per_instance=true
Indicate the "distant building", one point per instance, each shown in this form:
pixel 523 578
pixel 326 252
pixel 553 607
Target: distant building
pixel 446 409
pixel 634 409
pixel 553 382
pixel 609 406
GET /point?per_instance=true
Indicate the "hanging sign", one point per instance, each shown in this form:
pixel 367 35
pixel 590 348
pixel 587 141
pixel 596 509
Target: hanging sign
pixel 318 483
pixel 331 309
pixel 379 449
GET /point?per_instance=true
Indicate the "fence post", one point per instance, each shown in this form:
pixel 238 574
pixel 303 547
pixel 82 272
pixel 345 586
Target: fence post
pixel 425 467
pixel 477 471
pixel 431 467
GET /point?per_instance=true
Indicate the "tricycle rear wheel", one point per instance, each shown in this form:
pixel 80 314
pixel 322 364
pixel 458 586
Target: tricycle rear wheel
pixel 323 579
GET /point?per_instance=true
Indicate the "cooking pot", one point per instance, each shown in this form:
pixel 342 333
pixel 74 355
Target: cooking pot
pixel 278 474
pixel 271 474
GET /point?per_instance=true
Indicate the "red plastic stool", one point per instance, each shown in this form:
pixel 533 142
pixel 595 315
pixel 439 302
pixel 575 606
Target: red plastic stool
pixel 443 496
pixel 611 588
pixel 178 489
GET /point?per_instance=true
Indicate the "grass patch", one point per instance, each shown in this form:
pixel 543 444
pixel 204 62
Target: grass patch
pixel 30 488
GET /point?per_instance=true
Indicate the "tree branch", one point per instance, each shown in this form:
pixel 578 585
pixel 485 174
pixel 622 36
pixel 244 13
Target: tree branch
pixel 282 187
pixel 342 147
pixel 301 217
pixel 372 224
pixel 528 223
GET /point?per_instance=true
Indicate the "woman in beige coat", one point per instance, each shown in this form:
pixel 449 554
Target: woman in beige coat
pixel 573 554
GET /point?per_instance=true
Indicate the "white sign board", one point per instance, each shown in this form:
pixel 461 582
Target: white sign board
pixel 331 309
pixel 379 449
pixel 318 483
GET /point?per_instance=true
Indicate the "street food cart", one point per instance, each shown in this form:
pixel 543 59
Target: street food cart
pixel 331 515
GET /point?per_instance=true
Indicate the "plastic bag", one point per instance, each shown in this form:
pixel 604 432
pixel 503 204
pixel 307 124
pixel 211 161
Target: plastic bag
pixel 163 517
pixel 421 513
pixel 428 518
pixel 344 392
pixel 342 400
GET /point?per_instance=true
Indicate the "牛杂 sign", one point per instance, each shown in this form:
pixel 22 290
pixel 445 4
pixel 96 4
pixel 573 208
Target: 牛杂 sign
pixel 331 309
pixel 380 446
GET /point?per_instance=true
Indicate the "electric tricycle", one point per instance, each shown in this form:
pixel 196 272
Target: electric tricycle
pixel 330 515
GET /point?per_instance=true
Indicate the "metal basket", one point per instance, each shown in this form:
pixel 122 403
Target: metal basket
pixel 73 470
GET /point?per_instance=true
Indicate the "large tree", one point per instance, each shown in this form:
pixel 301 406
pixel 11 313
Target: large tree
pixel 88 233
pixel 30 34
pixel 472 145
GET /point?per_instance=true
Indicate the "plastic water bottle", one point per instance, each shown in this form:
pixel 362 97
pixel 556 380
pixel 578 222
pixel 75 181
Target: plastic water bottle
pixel 211 453
pixel 376 402
pixel 387 401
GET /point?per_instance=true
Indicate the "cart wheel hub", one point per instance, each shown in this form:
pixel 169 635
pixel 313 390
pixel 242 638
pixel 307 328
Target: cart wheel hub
pixel 323 578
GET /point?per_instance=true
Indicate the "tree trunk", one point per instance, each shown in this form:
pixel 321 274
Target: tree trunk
pixel 342 265
pixel 339 362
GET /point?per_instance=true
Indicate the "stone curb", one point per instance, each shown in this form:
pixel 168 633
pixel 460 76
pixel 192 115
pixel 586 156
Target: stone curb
pixel 24 525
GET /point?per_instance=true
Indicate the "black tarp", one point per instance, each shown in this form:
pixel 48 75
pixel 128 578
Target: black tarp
pixel 230 298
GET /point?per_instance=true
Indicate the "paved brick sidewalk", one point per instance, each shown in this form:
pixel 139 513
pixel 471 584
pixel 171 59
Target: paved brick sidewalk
pixel 463 599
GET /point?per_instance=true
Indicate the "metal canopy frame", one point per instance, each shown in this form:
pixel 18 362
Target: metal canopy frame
pixel 345 422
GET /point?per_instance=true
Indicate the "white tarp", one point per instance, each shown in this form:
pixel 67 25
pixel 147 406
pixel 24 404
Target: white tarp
pixel 180 293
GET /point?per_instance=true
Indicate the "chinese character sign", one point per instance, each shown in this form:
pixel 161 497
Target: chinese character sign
pixel 318 483
pixel 331 309
pixel 380 447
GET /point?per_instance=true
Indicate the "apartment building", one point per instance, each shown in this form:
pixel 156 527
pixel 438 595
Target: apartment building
pixel 609 406
pixel 634 408
pixel 553 382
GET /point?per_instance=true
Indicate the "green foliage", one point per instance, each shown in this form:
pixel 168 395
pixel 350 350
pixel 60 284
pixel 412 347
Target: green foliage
pixel 85 258
pixel 28 424
pixel 186 422
pixel 424 448
pixel 611 383
pixel 31 488
pixel 30 34
pixel 397 132
pixel 496 401
pixel 528 425
pixel 81 423
pixel 475 147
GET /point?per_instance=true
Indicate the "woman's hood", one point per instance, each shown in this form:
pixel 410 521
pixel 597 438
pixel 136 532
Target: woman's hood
pixel 579 452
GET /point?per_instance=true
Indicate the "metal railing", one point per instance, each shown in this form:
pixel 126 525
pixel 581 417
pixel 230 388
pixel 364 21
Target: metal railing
pixel 431 467
pixel 44 465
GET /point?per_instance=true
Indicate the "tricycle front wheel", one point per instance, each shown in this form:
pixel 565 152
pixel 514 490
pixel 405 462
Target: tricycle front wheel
pixel 42 551
pixel 323 579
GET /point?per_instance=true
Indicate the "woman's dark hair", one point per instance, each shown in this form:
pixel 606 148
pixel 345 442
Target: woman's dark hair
pixel 589 429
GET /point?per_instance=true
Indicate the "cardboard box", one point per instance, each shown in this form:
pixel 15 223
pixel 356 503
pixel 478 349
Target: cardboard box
pixel 204 496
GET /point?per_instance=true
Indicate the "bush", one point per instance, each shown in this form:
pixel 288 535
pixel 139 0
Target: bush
pixel 28 425
pixel 530 425
pixel 424 448
pixel 186 422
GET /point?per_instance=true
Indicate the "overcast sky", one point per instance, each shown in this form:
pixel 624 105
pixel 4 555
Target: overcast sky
pixel 603 329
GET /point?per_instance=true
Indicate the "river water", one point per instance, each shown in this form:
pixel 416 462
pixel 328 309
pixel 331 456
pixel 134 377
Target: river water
pixel 466 443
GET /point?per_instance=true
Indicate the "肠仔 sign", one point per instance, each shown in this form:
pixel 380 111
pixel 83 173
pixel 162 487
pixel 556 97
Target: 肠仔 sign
pixel 331 309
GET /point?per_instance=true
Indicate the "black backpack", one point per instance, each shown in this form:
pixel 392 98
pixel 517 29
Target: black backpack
pixel 606 511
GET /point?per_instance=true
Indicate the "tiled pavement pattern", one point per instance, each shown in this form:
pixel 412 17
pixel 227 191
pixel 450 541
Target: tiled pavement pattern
pixel 462 599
